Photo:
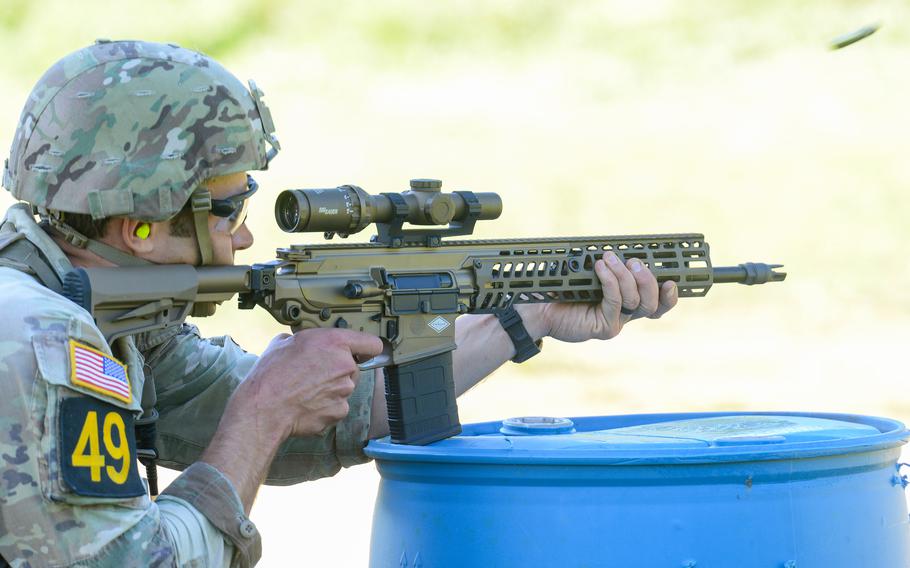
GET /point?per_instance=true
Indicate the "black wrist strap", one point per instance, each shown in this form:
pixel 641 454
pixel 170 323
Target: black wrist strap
pixel 525 348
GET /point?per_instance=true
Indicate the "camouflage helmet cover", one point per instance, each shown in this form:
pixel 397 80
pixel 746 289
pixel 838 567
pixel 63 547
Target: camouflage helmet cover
pixel 131 128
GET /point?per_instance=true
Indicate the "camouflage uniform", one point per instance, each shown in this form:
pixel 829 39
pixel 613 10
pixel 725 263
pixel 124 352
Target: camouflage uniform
pixel 46 518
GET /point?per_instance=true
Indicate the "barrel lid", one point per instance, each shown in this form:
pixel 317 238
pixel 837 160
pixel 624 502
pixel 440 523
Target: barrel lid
pixel 655 438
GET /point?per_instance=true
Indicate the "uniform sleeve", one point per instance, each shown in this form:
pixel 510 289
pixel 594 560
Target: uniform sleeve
pixel 70 493
pixel 194 378
pixel 182 521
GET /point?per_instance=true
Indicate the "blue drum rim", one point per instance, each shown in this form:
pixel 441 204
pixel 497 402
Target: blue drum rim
pixel 892 433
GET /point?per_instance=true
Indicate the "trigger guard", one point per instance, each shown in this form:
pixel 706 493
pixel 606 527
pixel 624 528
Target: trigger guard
pixel 384 359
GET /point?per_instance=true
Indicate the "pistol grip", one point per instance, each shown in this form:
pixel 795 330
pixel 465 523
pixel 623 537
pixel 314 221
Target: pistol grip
pixel 421 401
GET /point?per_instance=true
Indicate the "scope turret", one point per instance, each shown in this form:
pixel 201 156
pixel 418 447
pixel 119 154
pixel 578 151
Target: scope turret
pixel 349 209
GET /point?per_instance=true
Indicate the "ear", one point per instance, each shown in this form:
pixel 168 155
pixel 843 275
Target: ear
pixel 139 237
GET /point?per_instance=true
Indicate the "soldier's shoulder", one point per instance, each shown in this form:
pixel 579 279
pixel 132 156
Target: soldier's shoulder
pixel 58 385
pixel 50 338
pixel 29 307
pixel 39 326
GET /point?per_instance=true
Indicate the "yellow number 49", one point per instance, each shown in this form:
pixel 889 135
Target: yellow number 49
pixel 94 459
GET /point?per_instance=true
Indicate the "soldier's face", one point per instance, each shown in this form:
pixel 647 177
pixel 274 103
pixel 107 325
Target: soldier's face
pixel 182 250
pixel 224 243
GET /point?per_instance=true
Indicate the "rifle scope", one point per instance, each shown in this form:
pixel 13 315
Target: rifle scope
pixel 349 209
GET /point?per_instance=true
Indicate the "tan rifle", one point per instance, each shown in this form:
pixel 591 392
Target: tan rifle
pixel 406 287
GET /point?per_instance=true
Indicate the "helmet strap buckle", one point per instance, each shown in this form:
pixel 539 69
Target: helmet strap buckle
pixel 201 204
pixel 69 234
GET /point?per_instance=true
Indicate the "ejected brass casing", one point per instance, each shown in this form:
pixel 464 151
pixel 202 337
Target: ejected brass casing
pixel 349 209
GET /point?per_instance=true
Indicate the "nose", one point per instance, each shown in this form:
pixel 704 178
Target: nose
pixel 243 238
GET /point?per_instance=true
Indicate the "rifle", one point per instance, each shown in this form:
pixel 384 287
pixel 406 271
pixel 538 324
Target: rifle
pixel 407 286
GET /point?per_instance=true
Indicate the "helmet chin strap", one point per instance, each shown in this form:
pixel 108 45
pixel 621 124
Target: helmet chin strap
pixel 77 239
pixel 201 203
pixel 120 258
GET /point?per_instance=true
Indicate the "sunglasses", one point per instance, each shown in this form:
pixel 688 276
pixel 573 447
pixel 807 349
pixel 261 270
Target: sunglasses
pixel 233 209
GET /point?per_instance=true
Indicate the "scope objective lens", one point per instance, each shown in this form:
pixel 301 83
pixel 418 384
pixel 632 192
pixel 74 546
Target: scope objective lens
pixel 287 211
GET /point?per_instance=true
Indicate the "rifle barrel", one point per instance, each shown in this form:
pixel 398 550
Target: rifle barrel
pixel 748 273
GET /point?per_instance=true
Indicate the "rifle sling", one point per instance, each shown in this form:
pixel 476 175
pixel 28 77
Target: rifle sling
pixel 23 252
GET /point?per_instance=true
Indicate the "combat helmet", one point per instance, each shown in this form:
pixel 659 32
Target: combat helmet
pixel 132 128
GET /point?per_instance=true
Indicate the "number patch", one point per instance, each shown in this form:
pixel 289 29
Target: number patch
pixel 98 457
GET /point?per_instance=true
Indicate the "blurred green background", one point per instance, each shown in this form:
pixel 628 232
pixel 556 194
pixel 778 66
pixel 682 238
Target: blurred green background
pixel 729 118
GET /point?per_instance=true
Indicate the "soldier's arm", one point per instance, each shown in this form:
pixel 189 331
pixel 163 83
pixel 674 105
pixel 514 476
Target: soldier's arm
pixel 196 377
pixel 71 492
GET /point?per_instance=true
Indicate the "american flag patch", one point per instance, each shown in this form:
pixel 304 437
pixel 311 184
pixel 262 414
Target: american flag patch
pixel 98 372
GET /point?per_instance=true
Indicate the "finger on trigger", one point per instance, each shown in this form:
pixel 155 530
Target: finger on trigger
pixel 362 344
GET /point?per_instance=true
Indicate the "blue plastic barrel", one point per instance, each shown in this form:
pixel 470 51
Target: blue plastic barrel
pixel 713 490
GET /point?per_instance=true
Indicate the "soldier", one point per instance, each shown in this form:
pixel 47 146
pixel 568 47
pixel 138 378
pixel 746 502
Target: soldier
pixel 135 153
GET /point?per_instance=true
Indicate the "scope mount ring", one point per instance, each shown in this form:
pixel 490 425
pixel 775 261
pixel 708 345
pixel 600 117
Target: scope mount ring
pixel 392 234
